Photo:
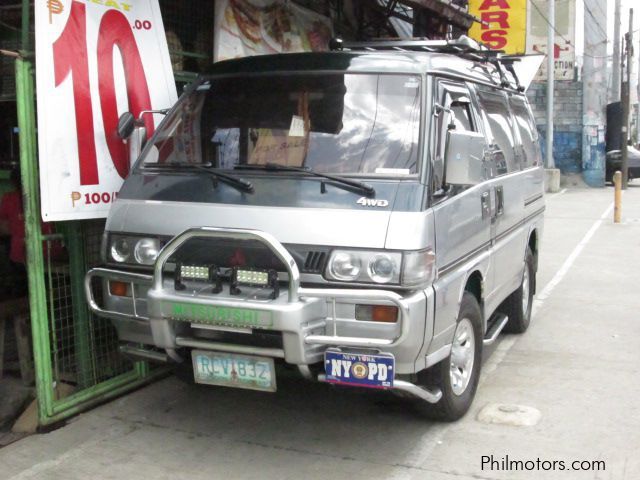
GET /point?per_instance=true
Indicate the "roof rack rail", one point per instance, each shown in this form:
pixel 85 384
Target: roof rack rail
pixel 462 46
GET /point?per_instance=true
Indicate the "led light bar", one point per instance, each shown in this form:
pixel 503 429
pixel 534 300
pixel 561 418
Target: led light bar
pixel 252 277
pixel 192 272
pixel 197 273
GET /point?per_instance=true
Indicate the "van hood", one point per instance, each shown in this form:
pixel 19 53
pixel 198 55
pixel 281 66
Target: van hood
pixel 290 225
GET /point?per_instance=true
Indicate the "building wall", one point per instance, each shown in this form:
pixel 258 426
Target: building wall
pixel 567 137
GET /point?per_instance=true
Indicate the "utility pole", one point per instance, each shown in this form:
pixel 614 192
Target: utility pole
pixel 551 72
pixel 615 87
pixel 626 103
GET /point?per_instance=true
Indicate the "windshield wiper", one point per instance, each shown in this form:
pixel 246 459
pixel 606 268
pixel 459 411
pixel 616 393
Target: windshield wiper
pixel 238 183
pixel 346 183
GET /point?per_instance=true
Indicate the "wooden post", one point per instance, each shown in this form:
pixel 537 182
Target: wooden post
pixel 617 209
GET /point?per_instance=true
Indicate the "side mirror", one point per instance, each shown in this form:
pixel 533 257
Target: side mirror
pixel 126 124
pixel 464 158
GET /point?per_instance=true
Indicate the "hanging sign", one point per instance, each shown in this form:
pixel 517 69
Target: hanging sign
pixel 259 27
pixel 96 59
pixel 504 24
pixel 564 52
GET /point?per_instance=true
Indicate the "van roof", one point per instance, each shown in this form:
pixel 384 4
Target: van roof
pixel 348 61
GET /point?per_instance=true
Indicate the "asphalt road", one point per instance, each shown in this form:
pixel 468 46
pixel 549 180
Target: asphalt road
pixel 569 391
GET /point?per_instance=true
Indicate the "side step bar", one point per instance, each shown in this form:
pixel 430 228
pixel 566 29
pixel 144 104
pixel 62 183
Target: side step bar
pixel 495 327
pixel 139 353
pixel 431 396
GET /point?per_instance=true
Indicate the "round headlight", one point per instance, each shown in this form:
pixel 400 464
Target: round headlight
pixel 120 250
pixel 345 266
pixel 146 251
pixel 381 268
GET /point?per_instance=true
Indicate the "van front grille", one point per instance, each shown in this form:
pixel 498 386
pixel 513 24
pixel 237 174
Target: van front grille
pixel 314 263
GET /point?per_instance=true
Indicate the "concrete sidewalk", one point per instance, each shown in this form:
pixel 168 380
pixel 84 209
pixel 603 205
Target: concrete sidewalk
pixel 578 365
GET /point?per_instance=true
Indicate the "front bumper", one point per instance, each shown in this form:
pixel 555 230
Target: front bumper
pixel 309 320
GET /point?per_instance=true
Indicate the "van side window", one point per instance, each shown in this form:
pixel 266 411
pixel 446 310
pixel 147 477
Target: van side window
pixel 497 123
pixel 526 126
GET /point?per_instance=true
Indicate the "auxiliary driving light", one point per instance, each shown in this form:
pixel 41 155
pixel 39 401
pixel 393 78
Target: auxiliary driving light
pixel 192 272
pixel 197 273
pixel 254 278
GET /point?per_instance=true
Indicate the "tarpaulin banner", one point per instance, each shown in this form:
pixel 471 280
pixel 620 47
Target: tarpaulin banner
pixel 504 24
pixel 94 61
pixel 564 52
pixel 259 27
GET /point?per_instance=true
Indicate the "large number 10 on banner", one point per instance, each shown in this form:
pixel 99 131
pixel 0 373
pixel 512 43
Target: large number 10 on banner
pixel 95 59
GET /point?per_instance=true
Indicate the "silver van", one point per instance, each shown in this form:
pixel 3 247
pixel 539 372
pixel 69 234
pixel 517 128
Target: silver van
pixel 370 216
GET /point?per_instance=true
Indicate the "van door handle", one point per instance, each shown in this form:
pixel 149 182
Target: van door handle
pixel 485 203
pixel 499 200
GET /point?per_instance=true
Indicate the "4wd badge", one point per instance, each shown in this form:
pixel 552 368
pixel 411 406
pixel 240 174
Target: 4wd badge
pixel 372 202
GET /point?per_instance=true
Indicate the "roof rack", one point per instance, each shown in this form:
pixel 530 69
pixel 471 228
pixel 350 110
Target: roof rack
pixel 463 47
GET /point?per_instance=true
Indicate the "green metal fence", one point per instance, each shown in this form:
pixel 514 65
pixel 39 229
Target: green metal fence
pixel 76 355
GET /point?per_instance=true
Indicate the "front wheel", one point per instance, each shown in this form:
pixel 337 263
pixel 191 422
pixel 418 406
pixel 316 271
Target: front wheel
pixel 457 376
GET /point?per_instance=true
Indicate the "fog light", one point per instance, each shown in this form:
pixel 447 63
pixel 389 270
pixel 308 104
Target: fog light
pixel 377 313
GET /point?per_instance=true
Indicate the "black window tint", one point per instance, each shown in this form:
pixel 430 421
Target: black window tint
pixel 495 115
pixel 528 132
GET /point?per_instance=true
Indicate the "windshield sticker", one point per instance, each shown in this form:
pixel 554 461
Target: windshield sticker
pixel 393 171
pixel 297 126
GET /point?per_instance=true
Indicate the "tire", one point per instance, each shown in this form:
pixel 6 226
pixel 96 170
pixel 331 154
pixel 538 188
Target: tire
pixel 456 399
pixel 519 304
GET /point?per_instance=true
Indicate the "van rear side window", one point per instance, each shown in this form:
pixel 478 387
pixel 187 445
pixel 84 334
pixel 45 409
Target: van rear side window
pixel 496 117
pixel 528 132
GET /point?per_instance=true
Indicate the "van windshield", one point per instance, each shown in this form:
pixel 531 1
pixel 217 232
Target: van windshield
pixel 330 123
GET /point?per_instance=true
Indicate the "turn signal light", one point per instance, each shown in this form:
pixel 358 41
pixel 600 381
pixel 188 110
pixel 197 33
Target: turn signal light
pixel 119 289
pixel 377 313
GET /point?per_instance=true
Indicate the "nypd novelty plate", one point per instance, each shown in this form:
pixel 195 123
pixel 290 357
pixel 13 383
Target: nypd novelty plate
pixel 358 370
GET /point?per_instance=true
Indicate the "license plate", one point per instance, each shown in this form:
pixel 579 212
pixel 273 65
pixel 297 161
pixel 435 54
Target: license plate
pixel 373 371
pixel 230 370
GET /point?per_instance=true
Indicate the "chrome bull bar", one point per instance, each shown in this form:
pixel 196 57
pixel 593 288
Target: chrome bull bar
pixel 295 292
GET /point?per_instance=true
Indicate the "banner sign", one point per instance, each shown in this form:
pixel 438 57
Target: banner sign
pixel 504 24
pixel 259 27
pixel 564 52
pixel 95 60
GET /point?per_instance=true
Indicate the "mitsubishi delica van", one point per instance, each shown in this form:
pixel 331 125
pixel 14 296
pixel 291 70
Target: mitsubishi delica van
pixel 370 217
